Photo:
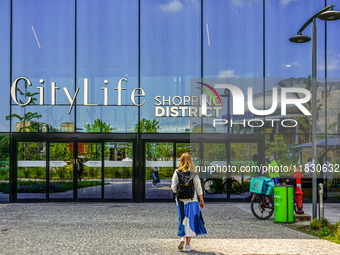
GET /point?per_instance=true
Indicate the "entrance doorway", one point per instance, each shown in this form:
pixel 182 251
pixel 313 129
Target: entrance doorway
pixel 73 170
pixel 112 167
pixel 236 153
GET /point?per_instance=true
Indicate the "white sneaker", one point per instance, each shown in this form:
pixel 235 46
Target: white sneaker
pixel 181 243
pixel 187 248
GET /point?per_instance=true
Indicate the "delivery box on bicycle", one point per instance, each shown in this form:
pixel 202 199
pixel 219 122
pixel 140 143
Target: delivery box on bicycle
pixel 262 185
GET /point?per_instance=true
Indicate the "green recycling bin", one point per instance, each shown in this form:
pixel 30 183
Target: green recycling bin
pixel 283 203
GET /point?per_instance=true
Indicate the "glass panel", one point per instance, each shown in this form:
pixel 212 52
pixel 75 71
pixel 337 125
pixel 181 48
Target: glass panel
pixel 170 51
pixel 159 170
pixel 43 51
pixel 191 148
pixel 118 170
pixel 105 119
pixel 89 170
pixel 53 119
pixel 232 39
pixel 107 50
pixel 283 20
pixel 4 167
pixel 223 109
pixel 332 176
pixel 61 170
pixel 215 154
pixel 289 155
pixel 233 52
pixel 332 96
pixel 5 13
pixel 31 170
pixel 293 64
pixel 243 156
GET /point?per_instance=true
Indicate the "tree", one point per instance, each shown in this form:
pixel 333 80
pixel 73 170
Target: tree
pixel 28 116
pixel 98 127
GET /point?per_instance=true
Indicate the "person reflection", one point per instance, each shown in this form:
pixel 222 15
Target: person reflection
pixel 155 174
pixel 80 169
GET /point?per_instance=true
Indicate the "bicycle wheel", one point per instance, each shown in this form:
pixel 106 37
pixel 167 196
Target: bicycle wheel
pixel 210 186
pixel 262 209
pixel 235 187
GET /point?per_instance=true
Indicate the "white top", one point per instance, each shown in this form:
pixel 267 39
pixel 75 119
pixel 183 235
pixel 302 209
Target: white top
pixel 197 185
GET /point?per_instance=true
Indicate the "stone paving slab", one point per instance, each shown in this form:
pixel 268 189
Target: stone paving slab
pixel 148 228
pixel 256 246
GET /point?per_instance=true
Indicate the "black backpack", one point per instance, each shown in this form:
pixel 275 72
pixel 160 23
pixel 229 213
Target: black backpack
pixel 185 187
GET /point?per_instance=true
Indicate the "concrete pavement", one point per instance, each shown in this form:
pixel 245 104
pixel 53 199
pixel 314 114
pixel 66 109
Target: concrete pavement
pixel 148 228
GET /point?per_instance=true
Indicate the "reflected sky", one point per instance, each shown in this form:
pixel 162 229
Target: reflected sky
pixel 103 44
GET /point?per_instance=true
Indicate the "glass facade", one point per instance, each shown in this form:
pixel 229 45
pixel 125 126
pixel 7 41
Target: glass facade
pixel 73 69
pixel 5 170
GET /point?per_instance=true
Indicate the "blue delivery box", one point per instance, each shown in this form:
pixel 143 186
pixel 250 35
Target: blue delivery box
pixel 261 185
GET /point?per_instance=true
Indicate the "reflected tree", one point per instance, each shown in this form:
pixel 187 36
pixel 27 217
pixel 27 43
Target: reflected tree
pixel 61 151
pixel 147 126
pixel 97 127
pixel 28 116
pixel 29 151
pixel 280 149
pixel 4 157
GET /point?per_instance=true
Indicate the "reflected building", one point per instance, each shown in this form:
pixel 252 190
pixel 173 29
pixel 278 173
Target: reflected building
pixel 34 126
pixel 67 127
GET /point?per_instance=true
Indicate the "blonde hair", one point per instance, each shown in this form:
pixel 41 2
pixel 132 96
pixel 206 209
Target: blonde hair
pixel 186 163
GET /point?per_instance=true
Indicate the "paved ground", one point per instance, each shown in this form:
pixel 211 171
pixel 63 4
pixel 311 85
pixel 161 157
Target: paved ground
pixel 149 228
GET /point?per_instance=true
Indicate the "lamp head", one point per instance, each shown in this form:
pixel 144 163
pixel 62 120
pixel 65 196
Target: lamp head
pixel 300 38
pixel 226 94
pixel 330 15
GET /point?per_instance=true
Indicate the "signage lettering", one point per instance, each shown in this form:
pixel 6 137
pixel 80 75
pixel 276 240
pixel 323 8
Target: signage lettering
pixel 71 99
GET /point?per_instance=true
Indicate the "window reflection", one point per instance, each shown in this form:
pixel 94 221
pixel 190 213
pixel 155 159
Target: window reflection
pixel 5 64
pixel 170 56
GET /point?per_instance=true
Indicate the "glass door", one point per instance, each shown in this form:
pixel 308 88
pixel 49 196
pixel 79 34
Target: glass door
pixel 191 148
pixel 81 170
pixel 244 161
pixel 61 170
pixel 159 168
pixel 89 170
pixel 214 170
pixel 118 162
pixel 31 170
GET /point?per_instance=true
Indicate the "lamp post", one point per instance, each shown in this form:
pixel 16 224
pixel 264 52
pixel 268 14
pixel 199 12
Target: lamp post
pixel 227 94
pixel 326 14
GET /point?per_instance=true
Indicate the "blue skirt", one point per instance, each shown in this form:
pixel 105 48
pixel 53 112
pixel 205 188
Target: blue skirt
pixel 190 220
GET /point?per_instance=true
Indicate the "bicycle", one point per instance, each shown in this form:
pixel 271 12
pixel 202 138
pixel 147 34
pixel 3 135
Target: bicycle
pixel 212 186
pixel 262 206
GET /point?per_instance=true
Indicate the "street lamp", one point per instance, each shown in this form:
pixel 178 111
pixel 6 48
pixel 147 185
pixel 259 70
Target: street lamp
pixel 326 13
pixel 227 94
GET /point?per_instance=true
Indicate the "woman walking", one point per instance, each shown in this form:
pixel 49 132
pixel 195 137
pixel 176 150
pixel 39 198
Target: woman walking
pixel 186 185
